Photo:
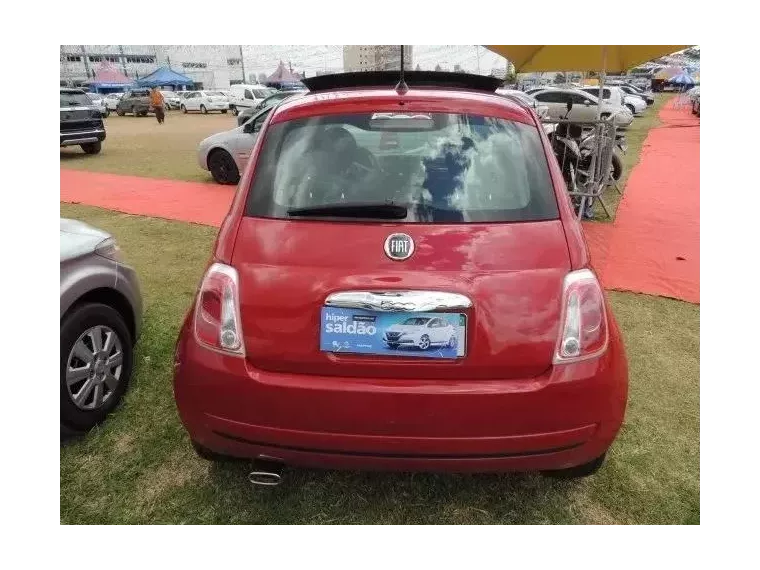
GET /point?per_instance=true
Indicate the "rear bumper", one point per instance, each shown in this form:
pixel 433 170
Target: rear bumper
pixel 564 418
pixel 71 138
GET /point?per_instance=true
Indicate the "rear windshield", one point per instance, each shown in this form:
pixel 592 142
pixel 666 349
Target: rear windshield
pixel 73 99
pixel 439 167
pixel 214 94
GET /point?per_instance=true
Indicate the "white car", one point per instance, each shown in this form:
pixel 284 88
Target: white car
pixel 617 97
pixel 225 154
pixel 584 106
pixel 111 100
pixel 98 101
pixel 541 110
pixel 422 332
pixel 204 101
pixel 242 96
pixel 171 99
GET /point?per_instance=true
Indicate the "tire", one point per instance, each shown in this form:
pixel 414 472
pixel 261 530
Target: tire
pixel 184 109
pixel 234 110
pixel 223 167
pixel 224 111
pixel 135 112
pixel 143 113
pixel 617 167
pixel 92 148
pixel 204 110
pixel 120 112
pixel 73 328
pixel 631 108
pixel 424 342
pixel 579 470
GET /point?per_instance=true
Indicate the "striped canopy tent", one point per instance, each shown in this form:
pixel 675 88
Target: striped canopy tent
pixel 108 79
pixel 666 73
pixel 682 79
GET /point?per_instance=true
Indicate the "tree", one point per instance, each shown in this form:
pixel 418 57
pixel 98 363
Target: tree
pixel 438 67
pixel 559 78
pixel 457 68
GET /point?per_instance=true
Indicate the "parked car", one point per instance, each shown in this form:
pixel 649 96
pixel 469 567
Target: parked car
pixel 279 96
pixel 423 333
pixel 541 110
pixel 584 106
pixel 81 122
pixel 99 101
pixel 136 102
pixel 615 97
pixel 356 212
pixel 244 96
pixel 225 154
pixel 171 99
pixel 112 100
pixel 205 101
pixel 648 96
pixel 101 314
pixel 696 97
pixel 245 114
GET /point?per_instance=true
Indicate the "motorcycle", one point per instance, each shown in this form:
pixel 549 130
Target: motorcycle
pixel 574 148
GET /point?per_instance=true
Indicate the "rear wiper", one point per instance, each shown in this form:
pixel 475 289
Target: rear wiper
pixel 353 210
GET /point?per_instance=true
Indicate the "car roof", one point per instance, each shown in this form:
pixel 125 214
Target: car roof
pixel 379 99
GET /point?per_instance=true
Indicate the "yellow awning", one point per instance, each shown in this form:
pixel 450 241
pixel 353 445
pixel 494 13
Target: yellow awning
pixel 580 58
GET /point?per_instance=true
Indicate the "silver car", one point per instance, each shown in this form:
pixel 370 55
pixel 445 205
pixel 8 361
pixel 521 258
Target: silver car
pixel 226 154
pixel 101 315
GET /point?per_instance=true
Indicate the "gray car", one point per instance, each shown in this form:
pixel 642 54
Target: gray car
pixel 101 314
pixel 226 154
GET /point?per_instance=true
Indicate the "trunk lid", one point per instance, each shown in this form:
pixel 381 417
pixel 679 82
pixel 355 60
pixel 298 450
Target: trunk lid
pixel 512 273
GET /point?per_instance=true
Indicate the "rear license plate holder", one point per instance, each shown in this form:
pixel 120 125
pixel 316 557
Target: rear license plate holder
pixel 395 334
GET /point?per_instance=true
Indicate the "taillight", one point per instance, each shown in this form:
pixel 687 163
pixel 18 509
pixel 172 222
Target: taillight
pixel 583 328
pixel 217 311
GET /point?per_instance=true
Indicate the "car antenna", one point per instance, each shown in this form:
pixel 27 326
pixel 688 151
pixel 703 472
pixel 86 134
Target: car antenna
pixel 401 86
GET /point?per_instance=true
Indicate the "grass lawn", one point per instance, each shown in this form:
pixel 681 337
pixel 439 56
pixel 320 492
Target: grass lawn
pixel 635 136
pixel 139 146
pixel 139 467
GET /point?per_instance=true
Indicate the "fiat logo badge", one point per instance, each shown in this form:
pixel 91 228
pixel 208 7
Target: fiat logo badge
pixel 399 246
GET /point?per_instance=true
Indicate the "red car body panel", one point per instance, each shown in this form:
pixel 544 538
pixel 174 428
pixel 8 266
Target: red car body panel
pixel 504 406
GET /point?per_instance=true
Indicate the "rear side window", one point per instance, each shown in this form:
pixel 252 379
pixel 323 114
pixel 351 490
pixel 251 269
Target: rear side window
pixel 439 167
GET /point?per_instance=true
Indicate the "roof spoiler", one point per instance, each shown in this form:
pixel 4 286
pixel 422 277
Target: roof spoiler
pixel 445 79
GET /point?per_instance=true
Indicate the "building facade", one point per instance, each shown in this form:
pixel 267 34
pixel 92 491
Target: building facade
pixel 209 66
pixel 375 57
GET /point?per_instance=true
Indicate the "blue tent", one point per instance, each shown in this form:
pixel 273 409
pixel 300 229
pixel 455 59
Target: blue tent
pixel 165 77
pixel 682 79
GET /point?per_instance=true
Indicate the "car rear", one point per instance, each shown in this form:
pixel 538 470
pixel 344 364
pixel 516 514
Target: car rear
pixel 81 121
pixel 442 205
pixel 215 101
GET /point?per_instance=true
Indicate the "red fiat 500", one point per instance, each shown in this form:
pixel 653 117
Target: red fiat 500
pixel 401 284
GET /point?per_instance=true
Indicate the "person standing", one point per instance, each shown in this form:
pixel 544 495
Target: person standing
pixel 157 102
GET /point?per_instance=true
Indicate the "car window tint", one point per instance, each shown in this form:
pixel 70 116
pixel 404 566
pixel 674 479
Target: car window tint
pixel 465 168
pixel 74 99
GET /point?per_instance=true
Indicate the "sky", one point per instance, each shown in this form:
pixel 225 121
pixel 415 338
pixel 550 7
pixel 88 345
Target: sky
pixel 262 56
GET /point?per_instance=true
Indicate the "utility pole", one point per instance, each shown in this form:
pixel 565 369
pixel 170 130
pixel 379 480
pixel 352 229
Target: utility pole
pixel 86 64
pixel 242 62
pixel 123 61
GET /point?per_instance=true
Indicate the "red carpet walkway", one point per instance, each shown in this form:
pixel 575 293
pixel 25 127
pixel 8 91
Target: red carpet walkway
pixel 653 246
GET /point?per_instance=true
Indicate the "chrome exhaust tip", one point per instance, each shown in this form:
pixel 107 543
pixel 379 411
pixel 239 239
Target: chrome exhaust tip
pixel 265 478
pixel 266 472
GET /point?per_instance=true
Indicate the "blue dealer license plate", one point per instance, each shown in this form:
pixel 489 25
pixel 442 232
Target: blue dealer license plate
pixel 423 335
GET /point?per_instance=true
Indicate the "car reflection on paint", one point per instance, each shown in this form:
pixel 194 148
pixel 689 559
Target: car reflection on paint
pixel 421 332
